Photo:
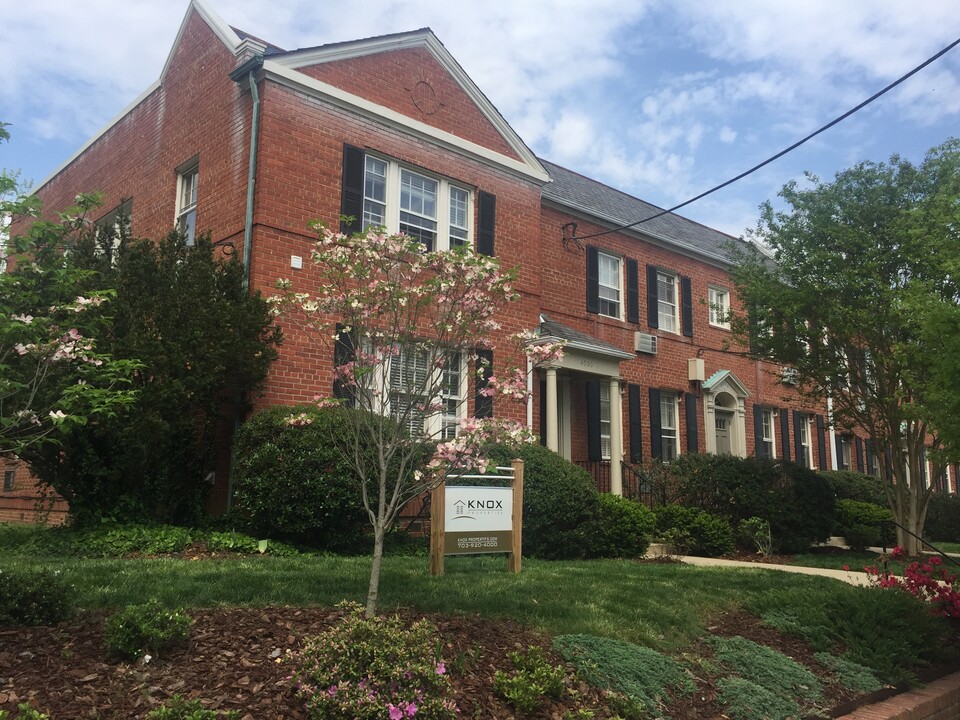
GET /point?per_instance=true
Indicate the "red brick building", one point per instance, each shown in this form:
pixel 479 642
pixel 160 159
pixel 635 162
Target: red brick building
pixel 250 142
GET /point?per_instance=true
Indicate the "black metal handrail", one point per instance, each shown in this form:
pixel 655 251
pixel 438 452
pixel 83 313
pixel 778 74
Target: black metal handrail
pixel 923 543
pixel 644 484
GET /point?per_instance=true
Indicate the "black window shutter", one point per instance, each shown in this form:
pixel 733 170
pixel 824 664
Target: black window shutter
pixel 482 404
pixel 633 291
pixel 653 312
pixel 868 452
pixel 690 407
pixel 859 444
pixel 593 280
pixel 351 199
pixel 488 219
pixel 343 353
pixel 822 442
pixel 656 431
pixel 593 420
pixel 686 306
pixel 798 446
pixel 785 435
pixel 758 449
pixel 543 413
pixel 636 432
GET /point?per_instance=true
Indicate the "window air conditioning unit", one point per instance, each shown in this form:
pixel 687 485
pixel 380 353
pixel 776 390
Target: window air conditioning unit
pixel 644 343
pixel 788 375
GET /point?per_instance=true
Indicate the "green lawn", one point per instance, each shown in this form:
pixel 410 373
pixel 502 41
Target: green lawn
pixel 948 547
pixel 855 561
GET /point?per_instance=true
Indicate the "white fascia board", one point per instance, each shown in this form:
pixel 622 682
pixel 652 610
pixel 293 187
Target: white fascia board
pixel 417 39
pixel 303 83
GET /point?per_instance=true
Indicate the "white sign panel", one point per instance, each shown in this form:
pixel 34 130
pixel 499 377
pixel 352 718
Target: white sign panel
pixel 478 509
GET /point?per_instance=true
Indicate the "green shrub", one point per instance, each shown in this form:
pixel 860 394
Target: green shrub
pixel 851 675
pixel 860 522
pixel 624 528
pixel 754 534
pixel 26 712
pixel 849 485
pixel 745 700
pixel 146 629
pixel 943 518
pixel 361 669
pixel 645 676
pixel 797 502
pixel 561 505
pixel 768 668
pixel 533 679
pixel 293 482
pixel 34 597
pixel 710 535
pixel 180 708
pixel 246 544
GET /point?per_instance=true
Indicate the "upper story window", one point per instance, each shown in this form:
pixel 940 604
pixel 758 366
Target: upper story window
pixel 8 480
pixel 805 451
pixel 187 180
pixel 844 455
pixel 609 285
pixel 667 302
pixel 433 210
pixel 719 301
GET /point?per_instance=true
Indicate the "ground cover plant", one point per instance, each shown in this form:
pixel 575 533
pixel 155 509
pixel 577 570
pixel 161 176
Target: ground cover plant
pixel 249 611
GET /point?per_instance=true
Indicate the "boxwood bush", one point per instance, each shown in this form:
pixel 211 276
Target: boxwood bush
pixel 561 505
pixel 849 485
pixel 708 535
pixel 292 482
pixel 859 522
pixel 943 518
pixel 625 528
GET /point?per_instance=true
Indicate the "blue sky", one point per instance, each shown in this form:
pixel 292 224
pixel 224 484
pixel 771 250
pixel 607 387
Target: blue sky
pixel 661 99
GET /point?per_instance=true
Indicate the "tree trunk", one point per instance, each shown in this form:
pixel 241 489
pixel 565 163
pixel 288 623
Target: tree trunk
pixel 373 592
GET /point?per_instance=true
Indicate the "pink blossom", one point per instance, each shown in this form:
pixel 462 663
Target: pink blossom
pixel 441 668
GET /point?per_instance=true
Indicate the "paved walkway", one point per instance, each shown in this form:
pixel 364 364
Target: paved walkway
pixel 940 700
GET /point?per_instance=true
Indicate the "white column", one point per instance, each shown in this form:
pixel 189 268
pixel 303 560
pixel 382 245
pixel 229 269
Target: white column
pixel 553 436
pixel 616 438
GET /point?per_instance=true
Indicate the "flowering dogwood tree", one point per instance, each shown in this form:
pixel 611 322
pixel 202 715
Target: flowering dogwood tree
pixel 405 325
pixel 51 375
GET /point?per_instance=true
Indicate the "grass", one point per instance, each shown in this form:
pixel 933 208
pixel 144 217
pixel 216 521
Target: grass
pixel 665 607
pixel 853 560
pixel 948 547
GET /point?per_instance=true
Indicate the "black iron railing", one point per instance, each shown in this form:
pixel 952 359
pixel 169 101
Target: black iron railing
pixel 886 533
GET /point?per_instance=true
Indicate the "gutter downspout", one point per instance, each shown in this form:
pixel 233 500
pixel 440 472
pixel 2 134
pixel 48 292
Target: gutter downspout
pixel 248 69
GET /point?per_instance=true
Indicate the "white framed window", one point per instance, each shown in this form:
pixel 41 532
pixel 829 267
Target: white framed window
pixel 844 456
pixel 667 318
pixel 605 421
pixel 806 446
pixel 186 221
pixel 436 211
pixel 610 284
pixel 669 437
pixel 9 476
pixel 719 301
pixel 768 436
pixel 410 375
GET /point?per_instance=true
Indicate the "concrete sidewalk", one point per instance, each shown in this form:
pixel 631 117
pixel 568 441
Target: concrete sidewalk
pixel 847 576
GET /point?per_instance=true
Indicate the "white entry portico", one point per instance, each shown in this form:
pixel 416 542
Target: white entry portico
pixel 724 413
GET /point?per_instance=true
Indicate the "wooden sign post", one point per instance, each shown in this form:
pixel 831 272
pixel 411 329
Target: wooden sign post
pixel 471 520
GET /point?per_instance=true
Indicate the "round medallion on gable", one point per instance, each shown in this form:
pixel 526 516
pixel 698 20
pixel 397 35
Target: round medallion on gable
pixel 424 97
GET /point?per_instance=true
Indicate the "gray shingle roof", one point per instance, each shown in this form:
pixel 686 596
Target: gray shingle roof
pixel 552 329
pixel 614 207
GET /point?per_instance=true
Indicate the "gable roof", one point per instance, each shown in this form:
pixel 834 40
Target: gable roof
pixel 551 331
pixel 610 206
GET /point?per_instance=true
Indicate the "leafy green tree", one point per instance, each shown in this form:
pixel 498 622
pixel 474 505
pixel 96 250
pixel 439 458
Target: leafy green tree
pixel 54 374
pixel 203 342
pixel 861 286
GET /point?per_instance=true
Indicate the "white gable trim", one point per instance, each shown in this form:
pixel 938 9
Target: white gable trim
pixel 418 39
pixel 303 83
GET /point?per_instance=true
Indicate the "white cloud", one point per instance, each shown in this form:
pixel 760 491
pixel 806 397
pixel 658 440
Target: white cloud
pixel 727 135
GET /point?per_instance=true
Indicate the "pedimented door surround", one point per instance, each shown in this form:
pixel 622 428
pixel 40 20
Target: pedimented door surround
pixel 724 398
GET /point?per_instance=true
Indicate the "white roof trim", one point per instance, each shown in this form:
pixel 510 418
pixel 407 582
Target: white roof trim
pixel 298 81
pixel 585 347
pixel 417 39
pixel 722 378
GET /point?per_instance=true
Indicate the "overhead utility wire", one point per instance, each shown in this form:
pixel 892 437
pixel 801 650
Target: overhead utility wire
pixel 780 154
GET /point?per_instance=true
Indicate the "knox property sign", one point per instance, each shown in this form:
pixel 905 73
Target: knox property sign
pixel 477 520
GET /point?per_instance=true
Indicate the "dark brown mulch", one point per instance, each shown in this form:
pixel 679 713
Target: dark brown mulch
pixel 235 660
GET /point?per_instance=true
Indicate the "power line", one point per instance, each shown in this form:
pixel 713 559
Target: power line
pixel 769 160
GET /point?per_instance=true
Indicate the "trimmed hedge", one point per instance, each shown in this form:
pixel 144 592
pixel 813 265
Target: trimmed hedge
pixel 708 535
pixel 797 502
pixel 292 482
pixel 849 485
pixel 625 528
pixel 859 522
